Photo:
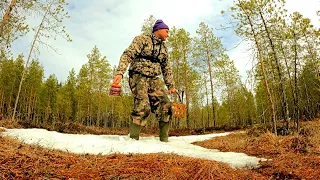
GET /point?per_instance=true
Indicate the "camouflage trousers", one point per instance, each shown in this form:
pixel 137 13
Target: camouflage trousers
pixel 149 96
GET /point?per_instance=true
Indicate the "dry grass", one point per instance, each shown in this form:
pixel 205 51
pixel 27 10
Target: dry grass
pixel 295 156
pixel 8 123
pixel 20 161
pixel 77 128
pixel 71 128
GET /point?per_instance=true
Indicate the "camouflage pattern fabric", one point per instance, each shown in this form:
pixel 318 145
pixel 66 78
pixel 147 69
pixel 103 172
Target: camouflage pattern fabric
pixel 149 96
pixel 147 55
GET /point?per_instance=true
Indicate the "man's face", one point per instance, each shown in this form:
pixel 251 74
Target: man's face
pixel 163 34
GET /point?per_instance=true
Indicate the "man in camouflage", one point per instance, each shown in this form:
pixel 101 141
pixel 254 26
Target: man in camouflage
pixel 148 58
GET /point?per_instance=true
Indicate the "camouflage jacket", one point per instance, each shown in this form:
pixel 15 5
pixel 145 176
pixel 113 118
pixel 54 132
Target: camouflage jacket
pixel 147 55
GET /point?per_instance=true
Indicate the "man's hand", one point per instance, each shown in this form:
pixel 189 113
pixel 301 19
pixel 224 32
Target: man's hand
pixel 117 79
pixel 172 90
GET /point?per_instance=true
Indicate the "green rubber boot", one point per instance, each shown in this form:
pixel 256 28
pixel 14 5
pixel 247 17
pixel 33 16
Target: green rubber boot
pixel 135 131
pixel 163 131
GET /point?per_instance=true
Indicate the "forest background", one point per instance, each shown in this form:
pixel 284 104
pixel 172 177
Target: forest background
pixel 282 85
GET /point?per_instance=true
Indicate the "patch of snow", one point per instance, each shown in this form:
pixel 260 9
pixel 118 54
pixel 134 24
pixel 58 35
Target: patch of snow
pixel 109 144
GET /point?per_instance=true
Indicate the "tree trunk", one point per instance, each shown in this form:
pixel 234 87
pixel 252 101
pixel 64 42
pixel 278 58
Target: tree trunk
pixel 296 99
pixel 290 78
pixel 106 118
pixel 203 121
pixel 6 16
pixel 90 111
pixel 29 104
pixel 212 90
pixel 263 71
pixel 285 111
pixel 99 108
pixel 26 66
pixel 35 112
pixel 1 102
pixel 47 112
pixel 187 90
pixel 79 114
pixel 112 112
pixel 231 118
pixel 178 87
pixel 208 109
pixel 307 106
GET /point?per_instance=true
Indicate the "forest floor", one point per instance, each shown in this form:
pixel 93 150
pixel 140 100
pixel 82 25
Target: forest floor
pixel 295 156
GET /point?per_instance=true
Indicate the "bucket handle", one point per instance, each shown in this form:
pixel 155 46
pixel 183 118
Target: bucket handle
pixel 180 99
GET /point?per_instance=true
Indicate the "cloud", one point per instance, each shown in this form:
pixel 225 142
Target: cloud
pixel 306 8
pixel 112 24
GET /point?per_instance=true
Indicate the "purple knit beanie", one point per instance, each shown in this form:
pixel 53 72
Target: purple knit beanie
pixel 159 24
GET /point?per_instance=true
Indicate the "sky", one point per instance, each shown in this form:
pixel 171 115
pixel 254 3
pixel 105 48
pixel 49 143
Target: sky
pixel 110 144
pixel 112 24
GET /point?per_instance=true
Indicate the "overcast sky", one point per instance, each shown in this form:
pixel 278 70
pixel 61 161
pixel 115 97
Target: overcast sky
pixel 112 24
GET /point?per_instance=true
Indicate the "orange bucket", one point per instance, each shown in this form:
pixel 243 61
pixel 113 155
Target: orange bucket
pixel 178 109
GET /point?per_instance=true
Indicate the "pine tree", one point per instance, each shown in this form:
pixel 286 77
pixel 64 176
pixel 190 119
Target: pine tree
pixel 32 87
pixel 148 24
pixel 13 24
pixel 179 44
pixel 208 49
